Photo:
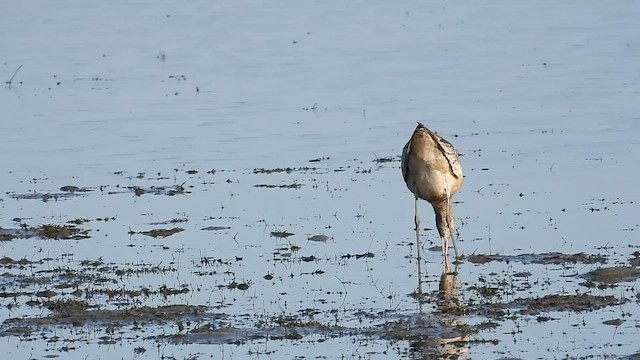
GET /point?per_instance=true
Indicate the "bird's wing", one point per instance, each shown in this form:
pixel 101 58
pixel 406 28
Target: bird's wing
pixel 449 152
pixel 404 161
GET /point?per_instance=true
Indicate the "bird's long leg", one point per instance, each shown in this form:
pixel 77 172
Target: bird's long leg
pixel 417 222
pixel 419 259
pixel 445 247
pixel 450 222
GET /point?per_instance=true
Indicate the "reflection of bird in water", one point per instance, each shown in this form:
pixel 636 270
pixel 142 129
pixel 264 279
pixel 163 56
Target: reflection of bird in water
pixel 440 334
pixel 456 344
pixel 448 291
pixel 432 170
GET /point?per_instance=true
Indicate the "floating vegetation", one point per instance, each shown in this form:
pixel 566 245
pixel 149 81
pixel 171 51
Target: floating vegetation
pixel 77 313
pixel 236 285
pixel 216 228
pixel 160 190
pixel 543 258
pixel 577 303
pixel 159 233
pixel 282 186
pixel 281 234
pixel 287 170
pixel 383 159
pixel 66 306
pixel 172 221
pixel 74 189
pixel 49 196
pixel 64 232
pixel 612 275
pixel 9 262
pixel 318 238
pixel 358 256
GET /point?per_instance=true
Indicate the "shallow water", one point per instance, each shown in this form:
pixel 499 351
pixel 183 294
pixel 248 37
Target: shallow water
pixel 126 100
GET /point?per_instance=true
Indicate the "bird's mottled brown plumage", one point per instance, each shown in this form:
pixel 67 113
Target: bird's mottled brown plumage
pixel 433 172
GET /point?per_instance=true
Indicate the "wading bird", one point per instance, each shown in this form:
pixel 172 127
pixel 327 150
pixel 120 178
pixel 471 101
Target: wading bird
pixel 432 170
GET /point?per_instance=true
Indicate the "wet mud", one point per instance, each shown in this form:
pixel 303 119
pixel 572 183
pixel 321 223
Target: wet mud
pixel 69 301
pixel 450 318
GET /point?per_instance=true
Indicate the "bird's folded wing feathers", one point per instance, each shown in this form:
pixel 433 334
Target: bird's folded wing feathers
pixel 404 160
pixel 450 153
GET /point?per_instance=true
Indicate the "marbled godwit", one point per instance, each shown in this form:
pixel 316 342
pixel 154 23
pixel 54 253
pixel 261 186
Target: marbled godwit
pixel 432 170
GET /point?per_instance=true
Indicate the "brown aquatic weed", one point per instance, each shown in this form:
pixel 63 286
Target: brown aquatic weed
pixel 161 233
pixel 54 231
pixel 281 234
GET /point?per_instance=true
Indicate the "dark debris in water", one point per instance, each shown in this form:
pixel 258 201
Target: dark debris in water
pixel 54 231
pixel 575 303
pixel 78 313
pixel 493 308
pixel 287 170
pixel 67 192
pixel 612 275
pixel 358 256
pixel 75 189
pixel 216 228
pixel 138 190
pixel 171 221
pixel 216 334
pixel 383 159
pixel 67 306
pixel 20 233
pixel 281 234
pixel 236 285
pixel 427 331
pixel 635 260
pixel 160 190
pixel 159 233
pixel 280 186
pixel 6 261
pixel 318 238
pixel 613 322
pixel 46 231
pixel 543 258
